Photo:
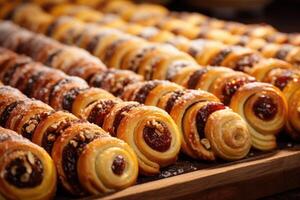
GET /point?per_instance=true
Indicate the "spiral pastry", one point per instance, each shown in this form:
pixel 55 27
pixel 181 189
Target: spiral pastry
pixel 73 95
pixel 75 145
pixel 265 112
pixel 27 171
pixel 101 162
pixel 192 110
pixel 287 52
pixel 79 63
pixel 286 78
pixel 114 81
pixel 148 130
pixel 226 85
pixel 160 90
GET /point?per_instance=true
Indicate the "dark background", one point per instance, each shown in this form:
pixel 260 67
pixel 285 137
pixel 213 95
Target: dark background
pixel 282 14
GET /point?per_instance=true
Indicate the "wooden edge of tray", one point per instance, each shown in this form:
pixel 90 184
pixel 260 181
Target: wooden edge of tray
pixel 247 180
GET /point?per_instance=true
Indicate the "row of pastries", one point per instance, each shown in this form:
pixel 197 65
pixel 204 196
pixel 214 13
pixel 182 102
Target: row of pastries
pixel 237 56
pixel 134 116
pixel 171 97
pixel 161 61
pixel 74 145
pixel 192 25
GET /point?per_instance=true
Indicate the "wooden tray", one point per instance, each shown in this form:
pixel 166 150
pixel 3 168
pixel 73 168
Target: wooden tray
pixel 259 175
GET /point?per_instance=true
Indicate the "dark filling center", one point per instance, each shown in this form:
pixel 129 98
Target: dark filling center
pixel 57 87
pixel 25 171
pixel 171 101
pixel 283 52
pixel 119 116
pixel 246 62
pixel 265 108
pixel 195 78
pixel 53 132
pixel 282 81
pixel 93 43
pixel 31 81
pixel 134 63
pixel 51 28
pixel 70 156
pixel 118 165
pixel 100 111
pixel 193 51
pixel 110 50
pixel 204 113
pixel 5 114
pixel 69 98
pixel 157 136
pixel 50 58
pixel 220 57
pixel 232 86
pixel 10 72
pixel 143 92
pixel 30 126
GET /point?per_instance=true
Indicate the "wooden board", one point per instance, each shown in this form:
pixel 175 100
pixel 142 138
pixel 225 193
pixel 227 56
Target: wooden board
pixel 271 174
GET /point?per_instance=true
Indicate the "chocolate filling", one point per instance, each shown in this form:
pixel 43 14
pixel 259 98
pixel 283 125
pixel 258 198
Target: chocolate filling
pixel 172 99
pixel 245 62
pixel 24 171
pixel 143 92
pixel 110 81
pixel 91 46
pixel 71 154
pixel 6 112
pixel 52 56
pixel 30 126
pixel 204 113
pixel 31 81
pixel 100 111
pixel 11 71
pixel 134 62
pixel 283 52
pixel 193 51
pixel 53 132
pixel 157 136
pixel 195 78
pixel 59 84
pixel 51 28
pixel 232 86
pixel 265 108
pixel 69 97
pixel 119 116
pixel 217 60
pixel 110 50
pixel 99 78
pixel 118 165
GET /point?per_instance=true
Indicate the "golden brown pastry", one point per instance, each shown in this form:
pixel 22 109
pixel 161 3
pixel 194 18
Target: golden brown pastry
pixel 192 110
pixel 258 103
pixel 201 109
pixel 264 107
pixel 88 159
pixel 27 171
pixel 72 94
pixel 79 62
pixel 75 145
pixel 286 78
pixel 148 130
